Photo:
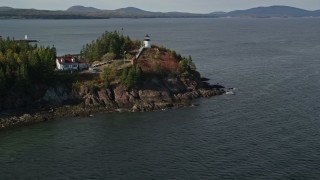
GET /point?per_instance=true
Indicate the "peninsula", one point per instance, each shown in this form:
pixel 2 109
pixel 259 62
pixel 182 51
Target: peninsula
pixel 111 74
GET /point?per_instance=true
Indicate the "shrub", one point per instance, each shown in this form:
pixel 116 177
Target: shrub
pixel 132 76
pixel 76 85
pixel 106 76
pixel 108 56
pixel 186 66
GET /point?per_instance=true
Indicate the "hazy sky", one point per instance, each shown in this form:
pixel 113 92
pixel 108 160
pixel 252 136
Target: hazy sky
pixel 199 6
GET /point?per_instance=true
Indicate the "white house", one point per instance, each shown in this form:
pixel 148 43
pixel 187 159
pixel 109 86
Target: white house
pixel 147 42
pixel 70 63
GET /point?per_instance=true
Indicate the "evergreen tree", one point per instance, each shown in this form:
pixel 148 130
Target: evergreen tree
pixel 138 75
pixel 130 80
pixel 2 82
pixel 106 76
pixel 124 75
pixel 8 71
pixel 109 42
pixel 132 76
pixel 18 60
pixel 191 65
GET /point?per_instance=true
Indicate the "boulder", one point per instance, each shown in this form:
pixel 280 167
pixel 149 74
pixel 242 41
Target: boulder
pixel 56 95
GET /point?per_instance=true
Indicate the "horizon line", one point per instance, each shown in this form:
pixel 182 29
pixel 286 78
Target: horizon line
pixel 159 11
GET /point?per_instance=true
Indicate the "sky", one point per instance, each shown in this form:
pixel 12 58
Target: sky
pixel 194 6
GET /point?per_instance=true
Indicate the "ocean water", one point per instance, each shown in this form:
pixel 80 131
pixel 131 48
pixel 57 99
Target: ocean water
pixel 269 130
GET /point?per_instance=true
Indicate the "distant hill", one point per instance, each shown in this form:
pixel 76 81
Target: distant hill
pixel 219 13
pixel 12 13
pixel 82 9
pixel 316 13
pixel 82 12
pixel 131 10
pixel 5 8
pixel 273 11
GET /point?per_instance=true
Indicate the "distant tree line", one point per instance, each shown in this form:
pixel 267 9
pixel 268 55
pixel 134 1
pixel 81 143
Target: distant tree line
pixel 22 64
pixel 110 44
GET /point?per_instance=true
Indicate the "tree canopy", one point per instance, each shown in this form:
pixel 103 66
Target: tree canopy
pixel 132 76
pixel 109 43
pixel 22 63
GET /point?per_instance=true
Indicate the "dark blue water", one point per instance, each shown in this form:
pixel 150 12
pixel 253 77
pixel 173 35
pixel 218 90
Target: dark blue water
pixel 269 130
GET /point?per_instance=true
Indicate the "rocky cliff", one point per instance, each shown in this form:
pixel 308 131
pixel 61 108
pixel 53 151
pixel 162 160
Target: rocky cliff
pixel 154 94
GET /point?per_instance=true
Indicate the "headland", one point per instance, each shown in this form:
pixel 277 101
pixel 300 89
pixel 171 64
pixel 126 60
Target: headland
pixel 112 74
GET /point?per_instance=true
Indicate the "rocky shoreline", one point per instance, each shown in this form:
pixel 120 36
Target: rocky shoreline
pixel 154 94
pixel 96 104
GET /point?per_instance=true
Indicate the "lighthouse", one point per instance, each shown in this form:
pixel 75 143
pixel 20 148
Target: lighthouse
pixel 147 42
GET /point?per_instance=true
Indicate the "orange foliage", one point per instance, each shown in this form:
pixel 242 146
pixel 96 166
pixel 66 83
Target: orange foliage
pixel 154 59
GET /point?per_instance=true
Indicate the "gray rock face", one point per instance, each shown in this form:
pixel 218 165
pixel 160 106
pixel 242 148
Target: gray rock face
pixel 56 95
pixel 122 97
pixel 174 85
pixel 154 96
pixel 105 96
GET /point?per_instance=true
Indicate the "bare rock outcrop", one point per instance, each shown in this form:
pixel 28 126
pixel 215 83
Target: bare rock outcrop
pixel 154 94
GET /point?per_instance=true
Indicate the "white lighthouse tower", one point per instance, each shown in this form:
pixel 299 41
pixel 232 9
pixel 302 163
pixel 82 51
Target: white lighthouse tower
pixel 147 42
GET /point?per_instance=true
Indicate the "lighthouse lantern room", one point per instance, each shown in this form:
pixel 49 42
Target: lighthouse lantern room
pixel 147 42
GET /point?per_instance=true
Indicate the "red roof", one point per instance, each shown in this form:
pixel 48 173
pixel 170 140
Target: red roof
pixel 68 60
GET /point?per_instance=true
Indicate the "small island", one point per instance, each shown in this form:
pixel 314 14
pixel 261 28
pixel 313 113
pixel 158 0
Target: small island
pixel 111 74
